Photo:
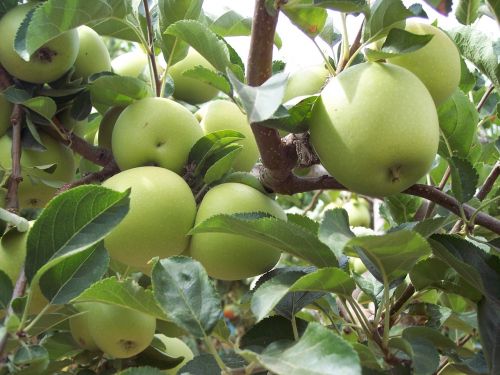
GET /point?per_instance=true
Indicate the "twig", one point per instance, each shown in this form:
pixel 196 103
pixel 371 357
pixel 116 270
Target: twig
pixel 314 201
pixel 15 178
pixel 151 50
pixel 485 97
pixel 108 171
pixel 441 186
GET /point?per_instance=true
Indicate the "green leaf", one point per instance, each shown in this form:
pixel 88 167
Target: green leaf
pixel 464 179
pixel 295 121
pixel 59 345
pixel 288 237
pixel 335 231
pixel 7 5
pixel 310 20
pixel 458 120
pixel 113 90
pixel 183 289
pixel 214 79
pixel 260 103
pixel 200 365
pixel 346 6
pixel 488 318
pixel 125 293
pixel 72 222
pixel 53 17
pixel 393 254
pixel 42 105
pixel 477 47
pixel 435 337
pixel 6 290
pixel 330 279
pixel 467 11
pixel 397 43
pixel 425 357
pixel 467 78
pixel 115 28
pixel 224 163
pixel 144 370
pixel 330 34
pixel 495 7
pixel 384 14
pixel 34 359
pixel 66 280
pixel 402 207
pixel 319 351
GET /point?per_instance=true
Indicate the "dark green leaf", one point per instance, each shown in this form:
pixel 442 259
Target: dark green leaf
pixel 125 293
pixel 34 359
pixel 200 365
pixel 6 5
pixel 397 43
pixel 66 280
pixel 346 6
pixel 6 289
pixel 467 78
pixel 60 345
pixel 384 14
pixel 295 121
pixel 72 222
pixel 425 357
pixel 335 231
pixel 145 370
pixel 288 237
pixel 464 179
pixel 495 7
pixel 223 164
pixel 214 79
pixel 488 318
pixel 183 289
pixel 467 11
pixel 113 90
pixel 330 279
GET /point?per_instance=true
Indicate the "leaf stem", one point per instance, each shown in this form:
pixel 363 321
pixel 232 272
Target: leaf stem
pixel 344 48
pixel 151 50
pixel 213 351
pixel 19 222
pixel 294 328
pixel 329 66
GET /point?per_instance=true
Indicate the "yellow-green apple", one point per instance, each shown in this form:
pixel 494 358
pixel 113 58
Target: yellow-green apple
pixel 175 348
pixel 80 327
pixel 93 56
pixel 42 171
pixel 437 64
pixel 225 115
pixel 359 214
pixel 230 256
pixel 5 112
pixel 162 212
pixel 118 331
pixel 188 89
pixel 307 81
pixel 130 64
pixel 48 63
pixel 107 125
pixel 154 131
pixel 375 128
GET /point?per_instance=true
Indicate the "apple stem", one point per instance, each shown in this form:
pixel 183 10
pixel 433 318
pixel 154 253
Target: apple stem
pixel 395 173
pixel 19 222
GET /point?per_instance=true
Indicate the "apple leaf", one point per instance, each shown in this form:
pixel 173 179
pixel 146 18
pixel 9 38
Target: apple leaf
pixel 7 5
pixel 260 103
pixel 458 120
pixel 425 357
pixel 477 47
pixel 467 78
pixel 54 17
pixel 335 231
pixel 184 291
pixel 72 222
pixel 223 164
pixel 467 11
pixel 115 28
pixel 331 279
pixel 67 279
pixel 488 318
pixel 435 337
pixel 464 179
pixel 295 120
pixel 6 289
pixel 51 320
pixel 319 351
pixel 60 345
pixel 288 237
pixel 34 358
pixel 384 14
pixel 346 6
pixel 495 7
pixel 402 207
pixel 393 254
pixel 309 19
pixel 330 35
pixel 113 90
pixel 397 43
pixel 143 370
pixel 201 365
pixel 123 293
pixel 210 77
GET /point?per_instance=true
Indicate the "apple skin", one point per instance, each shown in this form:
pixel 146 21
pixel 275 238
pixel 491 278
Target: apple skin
pixel 437 64
pixel 118 331
pixel 107 125
pixel 223 114
pixel 175 348
pixel 154 131
pixel 5 112
pixel 230 256
pixel 359 214
pixel 47 64
pixel 375 129
pixel 188 89
pixel 32 192
pixel 307 81
pixel 93 56
pixel 130 64
pixel 79 328
pixel 162 212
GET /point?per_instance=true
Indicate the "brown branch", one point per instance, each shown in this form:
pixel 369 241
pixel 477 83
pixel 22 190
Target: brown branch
pixel 489 182
pixel 15 178
pixel 485 97
pixel 151 48
pixel 109 170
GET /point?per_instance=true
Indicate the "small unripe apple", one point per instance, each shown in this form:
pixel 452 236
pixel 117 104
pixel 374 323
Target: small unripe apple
pixel 225 115
pixel 93 56
pixel 437 64
pixel 307 81
pixel 375 128
pixel 231 256
pixel 162 212
pixel 175 348
pixel 130 64
pixel 189 89
pixel 79 327
pixel 118 331
pixel 5 112
pixel 48 63
pixel 154 131
pixel 359 214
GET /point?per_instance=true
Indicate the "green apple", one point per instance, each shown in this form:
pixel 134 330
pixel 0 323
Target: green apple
pixel 48 63
pixel 375 129
pixel 307 81
pixel 437 64
pixel 5 112
pixel 130 64
pixel 107 125
pixel 359 214
pixel 222 115
pixel 175 348
pixel 118 331
pixel 357 265
pixel 154 131
pixel 162 212
pixel 79 327
pixel 188 89
pixel 230 256
pixel 93 56
pixel 39 183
